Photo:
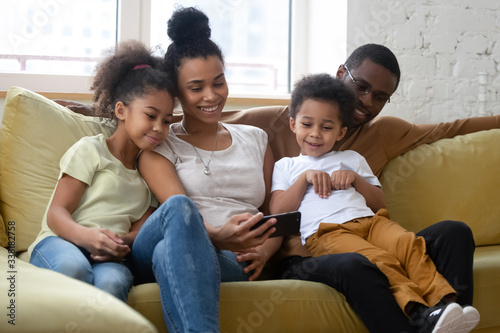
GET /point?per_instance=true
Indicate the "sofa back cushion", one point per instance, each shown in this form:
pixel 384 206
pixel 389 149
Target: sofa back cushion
pixel 451 179
pixel 34 135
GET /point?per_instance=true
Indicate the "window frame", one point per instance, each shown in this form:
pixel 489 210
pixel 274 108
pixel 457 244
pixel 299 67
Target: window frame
pixel 133 19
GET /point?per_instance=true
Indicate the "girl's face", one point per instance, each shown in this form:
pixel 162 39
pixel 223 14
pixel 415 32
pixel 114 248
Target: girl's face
pixel 146 119
pixel 202 88
pixel 317 127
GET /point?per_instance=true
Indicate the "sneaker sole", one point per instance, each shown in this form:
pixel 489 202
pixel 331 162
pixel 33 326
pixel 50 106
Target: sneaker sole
pixel 451 321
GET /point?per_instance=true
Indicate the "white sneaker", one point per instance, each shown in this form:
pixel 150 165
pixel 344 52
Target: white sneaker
pixel 450 319
pixel 470 319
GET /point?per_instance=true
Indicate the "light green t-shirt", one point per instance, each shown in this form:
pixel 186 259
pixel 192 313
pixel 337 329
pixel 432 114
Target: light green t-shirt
pixel 115 196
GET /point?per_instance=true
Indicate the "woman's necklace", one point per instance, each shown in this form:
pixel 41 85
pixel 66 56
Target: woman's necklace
pixel 207 166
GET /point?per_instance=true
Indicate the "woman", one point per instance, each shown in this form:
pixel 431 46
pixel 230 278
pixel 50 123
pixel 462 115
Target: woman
pixel 189 254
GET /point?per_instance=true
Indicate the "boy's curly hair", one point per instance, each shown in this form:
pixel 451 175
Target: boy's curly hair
pixel 117 80
pixel 325 88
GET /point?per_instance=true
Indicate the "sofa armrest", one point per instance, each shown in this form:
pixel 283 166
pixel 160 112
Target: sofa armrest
pixel 33 299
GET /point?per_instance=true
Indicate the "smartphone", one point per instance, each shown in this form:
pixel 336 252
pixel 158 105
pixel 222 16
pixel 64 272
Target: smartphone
pixel 286 223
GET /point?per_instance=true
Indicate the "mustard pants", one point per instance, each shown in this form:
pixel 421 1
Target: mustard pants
pixel 397 252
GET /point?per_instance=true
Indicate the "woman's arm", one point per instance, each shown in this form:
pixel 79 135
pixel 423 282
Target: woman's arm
pixel 161 177
pixel 268 178
pixel 97 241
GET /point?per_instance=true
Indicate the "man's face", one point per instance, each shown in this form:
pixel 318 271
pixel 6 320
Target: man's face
pixel 373 84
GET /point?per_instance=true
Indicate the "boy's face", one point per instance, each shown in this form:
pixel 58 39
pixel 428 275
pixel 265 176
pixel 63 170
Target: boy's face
pixel 317 126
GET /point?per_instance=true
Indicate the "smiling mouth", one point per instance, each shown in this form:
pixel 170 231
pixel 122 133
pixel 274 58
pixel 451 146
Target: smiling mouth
pixel 209 109
pixel 313 145
pixel 154 140
pixel 360 113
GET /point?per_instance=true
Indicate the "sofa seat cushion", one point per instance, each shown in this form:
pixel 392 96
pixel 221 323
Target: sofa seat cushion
pixel 266 306
pixel 451 179
pixel 41 300
pixel 34 135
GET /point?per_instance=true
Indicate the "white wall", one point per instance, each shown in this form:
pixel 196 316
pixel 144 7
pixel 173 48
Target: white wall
pixel 441 47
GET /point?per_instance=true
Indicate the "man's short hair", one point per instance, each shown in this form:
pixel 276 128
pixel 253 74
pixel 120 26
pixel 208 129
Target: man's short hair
pixel 378 54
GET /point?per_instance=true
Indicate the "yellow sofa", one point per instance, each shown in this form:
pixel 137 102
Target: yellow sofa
pixel 450 179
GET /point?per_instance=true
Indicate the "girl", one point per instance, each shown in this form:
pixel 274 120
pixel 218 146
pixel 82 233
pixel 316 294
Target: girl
pixel 224 169
pixel 100 200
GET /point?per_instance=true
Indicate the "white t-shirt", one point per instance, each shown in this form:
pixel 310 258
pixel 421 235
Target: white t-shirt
pixel 342 205
pixel 115 196
pixel 236 181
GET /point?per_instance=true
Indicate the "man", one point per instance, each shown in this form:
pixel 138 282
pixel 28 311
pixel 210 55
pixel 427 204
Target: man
pixel 373 72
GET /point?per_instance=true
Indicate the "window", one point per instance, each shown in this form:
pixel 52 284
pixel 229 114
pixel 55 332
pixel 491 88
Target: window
pixel 258 63
pixel 55 37
pixel 54 45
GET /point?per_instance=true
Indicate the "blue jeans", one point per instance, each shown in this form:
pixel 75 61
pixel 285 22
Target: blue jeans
pixel 173 249
pixel 59 255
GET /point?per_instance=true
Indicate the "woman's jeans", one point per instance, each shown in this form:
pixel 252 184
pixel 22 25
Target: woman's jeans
pixel 173 249
pixel 59 255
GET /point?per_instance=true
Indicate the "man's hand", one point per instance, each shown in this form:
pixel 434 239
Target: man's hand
pixel 85 109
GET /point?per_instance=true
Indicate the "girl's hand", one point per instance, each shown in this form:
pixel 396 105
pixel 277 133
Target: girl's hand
pixel 104 245
pixel 321 182
pixel 236 235
pixel 343 179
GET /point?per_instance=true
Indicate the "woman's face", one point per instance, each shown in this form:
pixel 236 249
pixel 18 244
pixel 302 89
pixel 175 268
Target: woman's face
pixel 202 88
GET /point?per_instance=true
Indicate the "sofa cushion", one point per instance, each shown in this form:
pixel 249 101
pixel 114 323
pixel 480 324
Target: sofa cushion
pixel 265 306
pixel 451 179
pixel 39 300
pixel 35 133
pixel 487 285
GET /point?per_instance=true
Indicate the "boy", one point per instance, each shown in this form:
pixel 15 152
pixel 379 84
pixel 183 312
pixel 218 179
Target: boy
pixel 337 194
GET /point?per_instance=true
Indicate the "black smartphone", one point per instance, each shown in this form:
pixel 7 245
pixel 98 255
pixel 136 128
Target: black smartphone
pixel 286 223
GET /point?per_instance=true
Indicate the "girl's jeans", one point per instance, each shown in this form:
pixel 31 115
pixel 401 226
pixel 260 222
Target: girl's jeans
pixel 59 255
pixel 173 249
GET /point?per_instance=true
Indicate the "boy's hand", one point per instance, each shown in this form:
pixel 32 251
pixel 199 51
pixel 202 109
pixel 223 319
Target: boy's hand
pixel 343 179
pixel 321 182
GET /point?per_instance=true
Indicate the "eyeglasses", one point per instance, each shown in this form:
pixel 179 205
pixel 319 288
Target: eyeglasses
pixel 364 88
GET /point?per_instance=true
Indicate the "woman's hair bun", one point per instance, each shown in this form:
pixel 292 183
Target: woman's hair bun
pixel 187 25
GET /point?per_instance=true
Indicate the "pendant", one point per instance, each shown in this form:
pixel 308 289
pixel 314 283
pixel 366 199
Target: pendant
pixel 206 171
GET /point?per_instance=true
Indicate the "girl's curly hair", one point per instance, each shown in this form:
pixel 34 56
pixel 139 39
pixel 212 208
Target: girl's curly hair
pixel 118 79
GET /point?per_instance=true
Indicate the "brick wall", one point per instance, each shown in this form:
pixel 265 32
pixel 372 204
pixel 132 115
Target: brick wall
pixel 442 46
